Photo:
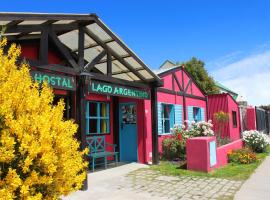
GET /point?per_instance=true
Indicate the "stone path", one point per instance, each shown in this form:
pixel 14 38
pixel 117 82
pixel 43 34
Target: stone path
pixel 170 187
pixel 138 182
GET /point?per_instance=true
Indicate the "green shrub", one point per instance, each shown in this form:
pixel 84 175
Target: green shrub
pixel 222 141
pixel 173 148
pixel 242 156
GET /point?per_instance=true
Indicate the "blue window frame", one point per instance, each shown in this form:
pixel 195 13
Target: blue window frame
pixel 97 118
pixel 167 114
pixel 197 114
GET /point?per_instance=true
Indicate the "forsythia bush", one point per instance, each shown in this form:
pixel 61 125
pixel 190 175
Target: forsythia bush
pixel 39 157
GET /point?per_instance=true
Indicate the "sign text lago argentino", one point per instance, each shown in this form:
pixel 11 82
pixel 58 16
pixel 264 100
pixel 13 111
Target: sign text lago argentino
pixel 116 90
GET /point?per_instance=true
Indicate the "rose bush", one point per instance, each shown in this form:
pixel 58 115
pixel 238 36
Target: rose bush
pixel 198 129
pixel 174 146
pixel 256 140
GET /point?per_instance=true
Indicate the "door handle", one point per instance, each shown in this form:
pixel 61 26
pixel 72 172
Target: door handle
pixel 122 125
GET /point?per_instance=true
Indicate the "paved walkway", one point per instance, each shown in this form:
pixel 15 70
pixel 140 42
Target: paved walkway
pixel 137 182
pixel 257 187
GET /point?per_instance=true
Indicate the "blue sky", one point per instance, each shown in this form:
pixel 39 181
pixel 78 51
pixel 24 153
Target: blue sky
pixel 231 36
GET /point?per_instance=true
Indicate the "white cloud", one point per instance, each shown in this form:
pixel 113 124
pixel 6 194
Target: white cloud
pixel 249 76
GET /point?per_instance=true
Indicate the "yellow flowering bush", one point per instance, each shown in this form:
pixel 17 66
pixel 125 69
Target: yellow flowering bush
pixel 39 156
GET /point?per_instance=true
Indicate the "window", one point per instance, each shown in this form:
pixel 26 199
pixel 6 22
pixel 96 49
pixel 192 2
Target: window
pixel 167 117
pixel 97 118
pixel 197 114
pixel 234 119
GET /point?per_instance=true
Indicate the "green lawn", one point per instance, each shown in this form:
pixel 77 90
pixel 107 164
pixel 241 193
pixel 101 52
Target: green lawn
pixel 230 171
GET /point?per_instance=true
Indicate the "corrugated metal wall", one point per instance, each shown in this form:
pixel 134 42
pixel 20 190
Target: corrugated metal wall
pixel 260 119
pixel 267 121
pixel 217 103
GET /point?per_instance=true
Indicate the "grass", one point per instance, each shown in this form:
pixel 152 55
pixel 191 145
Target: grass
pixel 231 171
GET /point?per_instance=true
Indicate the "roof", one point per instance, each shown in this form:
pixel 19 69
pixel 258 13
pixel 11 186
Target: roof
pixel 225 88
pixel 98 39
pixel 167 64
pixel 164 70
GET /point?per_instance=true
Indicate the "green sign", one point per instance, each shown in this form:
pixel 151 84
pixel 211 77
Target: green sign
pixel 55 80
pixel 117 90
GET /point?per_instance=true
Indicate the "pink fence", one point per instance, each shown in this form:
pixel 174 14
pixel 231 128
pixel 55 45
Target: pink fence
pixel 203 155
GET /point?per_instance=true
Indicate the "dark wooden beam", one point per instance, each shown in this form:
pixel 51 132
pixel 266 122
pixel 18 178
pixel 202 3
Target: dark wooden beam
pixel 43 24
pixel 80 118
pixel 173 86
pixel 109 64
pixel 13 23
pixel 63 50
pixel 94 45
pixel 52 67
pixel 104 61
pixel 155 156
pixel 41 16
pixel 184 98
pixel 188 84
pixel 81 47
pixel 167 91
pixel 105 78
pixel 92 64
pixel 195 97
pixel 114 54
pixel 177 81
pixel 35 28
pixel 44 46
pixel 120 72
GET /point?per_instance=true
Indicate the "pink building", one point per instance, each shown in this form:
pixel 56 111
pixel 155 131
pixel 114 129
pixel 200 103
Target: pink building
pixel 178 100
pixel 225 102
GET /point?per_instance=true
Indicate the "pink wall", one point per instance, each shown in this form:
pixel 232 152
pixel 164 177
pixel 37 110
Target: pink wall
pixel 148 130
pixel 196 103
pixel 222 152
pixel 167 80
pixel 176 99
pixel 198 157
pixel 224 102
pixel 234 130
pixel 251 118
pixel 170 99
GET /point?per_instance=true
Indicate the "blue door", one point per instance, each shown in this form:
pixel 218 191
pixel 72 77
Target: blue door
pixel 128 132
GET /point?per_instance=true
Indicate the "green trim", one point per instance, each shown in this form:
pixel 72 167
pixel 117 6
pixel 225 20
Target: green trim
pixel 222 87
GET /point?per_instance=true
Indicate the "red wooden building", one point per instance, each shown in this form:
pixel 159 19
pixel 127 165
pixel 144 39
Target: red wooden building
pixel 178 100
pixel 108 90
pixel 225 102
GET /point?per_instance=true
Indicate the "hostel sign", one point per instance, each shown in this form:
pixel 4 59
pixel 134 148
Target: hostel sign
pixel 55 80
pixel 117 90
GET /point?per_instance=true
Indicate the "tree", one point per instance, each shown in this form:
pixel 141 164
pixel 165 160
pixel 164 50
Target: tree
pixel 39 156
pixel 196 68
